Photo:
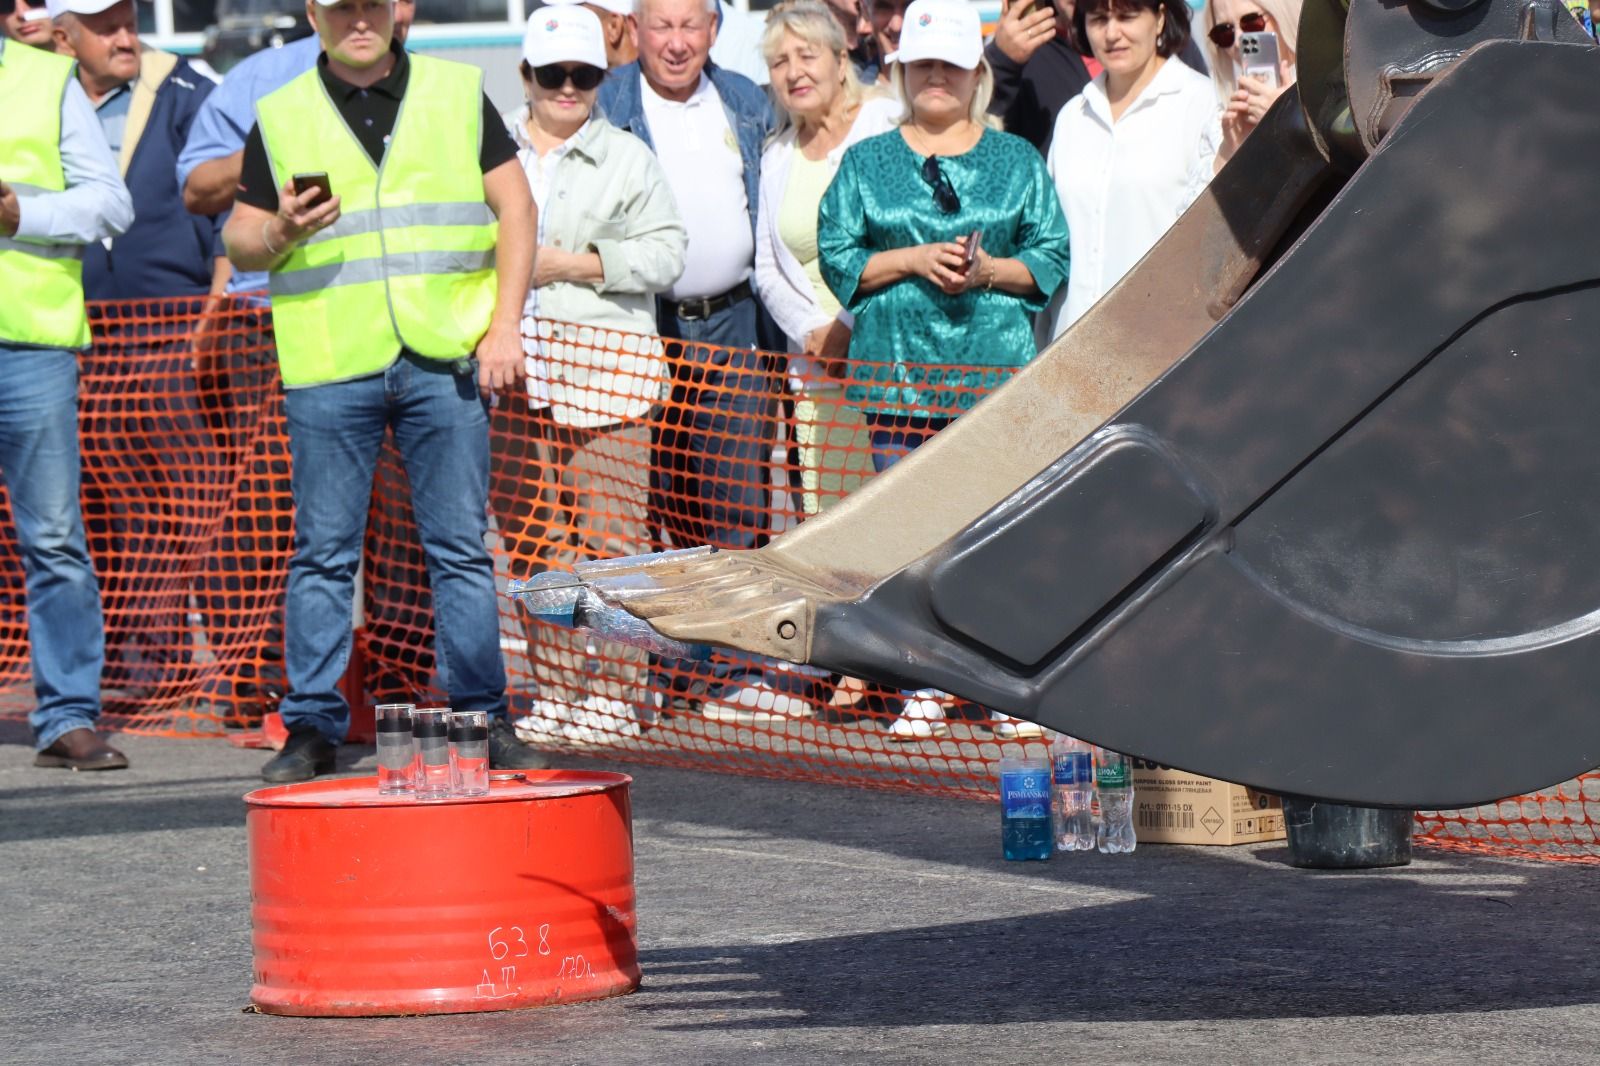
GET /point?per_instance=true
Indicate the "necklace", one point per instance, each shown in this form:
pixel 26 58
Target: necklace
pixel 921 142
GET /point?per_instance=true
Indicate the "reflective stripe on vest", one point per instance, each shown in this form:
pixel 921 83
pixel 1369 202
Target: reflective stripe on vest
pixel 42 283
pixel 411 260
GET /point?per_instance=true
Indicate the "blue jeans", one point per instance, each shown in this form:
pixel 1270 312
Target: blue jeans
pixel 711 456
pixel 896 436
pixel 39 460
pixel 441 430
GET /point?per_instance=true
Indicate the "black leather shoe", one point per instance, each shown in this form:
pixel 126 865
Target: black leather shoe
pixel 81 749
pixel 507 752
pixel 305 754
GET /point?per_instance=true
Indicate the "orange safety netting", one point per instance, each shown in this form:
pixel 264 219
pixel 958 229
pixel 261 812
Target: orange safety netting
pixel 187 505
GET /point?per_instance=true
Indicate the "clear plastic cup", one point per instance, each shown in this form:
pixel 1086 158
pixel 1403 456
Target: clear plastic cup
pixel 430 727
pixel 469 753
pixel 396 749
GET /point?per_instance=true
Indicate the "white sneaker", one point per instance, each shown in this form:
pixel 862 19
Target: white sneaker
pixel 601 720
pixel 921 717
pixel 756 702
pixel 544 722
pixel 1006 727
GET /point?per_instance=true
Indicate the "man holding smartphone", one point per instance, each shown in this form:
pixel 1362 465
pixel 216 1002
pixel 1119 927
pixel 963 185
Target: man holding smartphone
pixel 59 191
pixel 397 289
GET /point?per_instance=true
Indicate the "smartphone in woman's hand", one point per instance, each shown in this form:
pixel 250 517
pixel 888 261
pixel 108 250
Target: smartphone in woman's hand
pixel 970 252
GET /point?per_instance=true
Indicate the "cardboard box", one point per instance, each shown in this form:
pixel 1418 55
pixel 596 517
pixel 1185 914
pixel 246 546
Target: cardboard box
pixel 1172 807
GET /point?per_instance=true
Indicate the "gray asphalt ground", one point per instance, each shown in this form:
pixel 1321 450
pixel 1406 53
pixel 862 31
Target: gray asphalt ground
pixel 795 923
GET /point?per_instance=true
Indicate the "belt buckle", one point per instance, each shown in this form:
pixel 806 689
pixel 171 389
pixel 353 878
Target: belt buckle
pixel 695 310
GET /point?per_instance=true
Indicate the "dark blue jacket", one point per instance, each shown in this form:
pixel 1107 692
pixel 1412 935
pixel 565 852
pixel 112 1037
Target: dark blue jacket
pixel 167 251
pixel 748 109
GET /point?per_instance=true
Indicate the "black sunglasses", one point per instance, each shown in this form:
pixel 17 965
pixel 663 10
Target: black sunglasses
pixel 944 194
pixel 1222 34
pixel 554 75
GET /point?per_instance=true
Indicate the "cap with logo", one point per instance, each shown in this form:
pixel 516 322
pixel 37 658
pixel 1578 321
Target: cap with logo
pixel 56 8
pixel 564 33
pixel 946 30
pixel 616 7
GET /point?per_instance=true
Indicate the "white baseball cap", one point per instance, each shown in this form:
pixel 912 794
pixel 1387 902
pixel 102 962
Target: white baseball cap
pixel 948 30
pixel 616 7
pixel 56 8
pixel 564 33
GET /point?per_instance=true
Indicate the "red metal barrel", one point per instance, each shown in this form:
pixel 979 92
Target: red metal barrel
pixel 369 905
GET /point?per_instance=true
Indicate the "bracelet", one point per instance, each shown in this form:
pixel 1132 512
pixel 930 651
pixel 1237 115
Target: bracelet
pixel 988 286
pixel 266 240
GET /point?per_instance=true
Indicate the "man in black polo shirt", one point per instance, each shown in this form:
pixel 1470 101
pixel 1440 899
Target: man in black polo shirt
pixel 384 318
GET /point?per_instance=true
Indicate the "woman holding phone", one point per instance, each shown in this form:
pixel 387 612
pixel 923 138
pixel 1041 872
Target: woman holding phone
pixel 1132 150
pixel 1246 99
pixel 942 237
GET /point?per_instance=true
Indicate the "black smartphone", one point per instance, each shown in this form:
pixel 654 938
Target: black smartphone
pixel 319 180
pixel 970 252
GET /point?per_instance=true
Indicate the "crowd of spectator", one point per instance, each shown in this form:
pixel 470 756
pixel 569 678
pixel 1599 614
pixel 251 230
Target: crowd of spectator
pixel 842 213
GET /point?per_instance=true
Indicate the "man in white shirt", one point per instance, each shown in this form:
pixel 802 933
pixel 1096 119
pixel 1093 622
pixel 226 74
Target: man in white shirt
pixel 710 461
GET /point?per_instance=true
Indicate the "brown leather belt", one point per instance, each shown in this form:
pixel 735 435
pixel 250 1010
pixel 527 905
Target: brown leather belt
pixel 698 310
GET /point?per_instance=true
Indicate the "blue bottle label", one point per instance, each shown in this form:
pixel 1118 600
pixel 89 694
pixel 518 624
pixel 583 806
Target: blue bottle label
pixel 1074 768
pixel 1025 794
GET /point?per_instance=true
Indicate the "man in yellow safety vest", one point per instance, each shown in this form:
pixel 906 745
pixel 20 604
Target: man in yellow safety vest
pixel 398 270
pixel 59 191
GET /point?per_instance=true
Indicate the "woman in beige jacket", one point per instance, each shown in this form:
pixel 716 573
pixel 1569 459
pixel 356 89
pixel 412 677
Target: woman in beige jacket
pixel 575 452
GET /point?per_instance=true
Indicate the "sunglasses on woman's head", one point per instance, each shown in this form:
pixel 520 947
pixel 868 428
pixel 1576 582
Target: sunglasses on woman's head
pixel 553 76
pixel 1222 34
pixel 944 194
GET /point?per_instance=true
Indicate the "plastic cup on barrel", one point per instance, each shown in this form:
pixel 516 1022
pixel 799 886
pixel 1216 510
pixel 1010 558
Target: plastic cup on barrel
pixel 469 753
pixel 430 734
pixel 396 754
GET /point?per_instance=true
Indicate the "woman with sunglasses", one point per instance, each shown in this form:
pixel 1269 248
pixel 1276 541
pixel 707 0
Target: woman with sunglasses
pixel 937 319
pixel 1132 150
pixel 573 454
pixel 1246 100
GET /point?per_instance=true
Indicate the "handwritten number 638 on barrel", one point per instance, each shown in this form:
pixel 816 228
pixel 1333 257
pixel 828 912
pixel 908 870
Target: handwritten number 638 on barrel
pixel 514 944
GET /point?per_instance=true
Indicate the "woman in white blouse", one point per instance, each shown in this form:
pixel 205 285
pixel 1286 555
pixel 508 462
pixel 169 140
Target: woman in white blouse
pixel 823 112
pixel 1134 149
pixel 573 456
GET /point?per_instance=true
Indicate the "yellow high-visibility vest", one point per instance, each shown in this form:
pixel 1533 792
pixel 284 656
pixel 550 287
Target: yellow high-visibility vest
pixel 41 285
pixel 411 260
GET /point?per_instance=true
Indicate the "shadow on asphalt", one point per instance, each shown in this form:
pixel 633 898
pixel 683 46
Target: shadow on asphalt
pixel 1159 958
pixel 1167 934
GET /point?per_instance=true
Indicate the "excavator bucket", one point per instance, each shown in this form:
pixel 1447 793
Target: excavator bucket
pixel 1311 500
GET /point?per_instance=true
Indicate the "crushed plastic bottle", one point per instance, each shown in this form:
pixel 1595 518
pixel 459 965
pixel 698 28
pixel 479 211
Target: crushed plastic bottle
pixel 1113 782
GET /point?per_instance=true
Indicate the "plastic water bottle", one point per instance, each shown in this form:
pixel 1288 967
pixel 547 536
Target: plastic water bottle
pixel 1113 781
pixel 1072 765
pixel 1025 807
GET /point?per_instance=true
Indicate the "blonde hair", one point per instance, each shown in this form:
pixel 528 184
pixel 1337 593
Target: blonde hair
pixel 811 21
pixel 978 112
pixel 1285 13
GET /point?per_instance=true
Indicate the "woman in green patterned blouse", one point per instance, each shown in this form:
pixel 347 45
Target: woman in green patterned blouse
pixel 934 327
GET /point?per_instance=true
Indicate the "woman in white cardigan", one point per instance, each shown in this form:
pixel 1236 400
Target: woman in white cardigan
pixel 823 111
pixel 573 454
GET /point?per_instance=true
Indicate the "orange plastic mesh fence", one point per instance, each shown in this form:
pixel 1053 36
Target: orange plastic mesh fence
pixel 633 446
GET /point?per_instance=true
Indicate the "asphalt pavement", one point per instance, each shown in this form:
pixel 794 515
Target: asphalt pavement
pixel 798 923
